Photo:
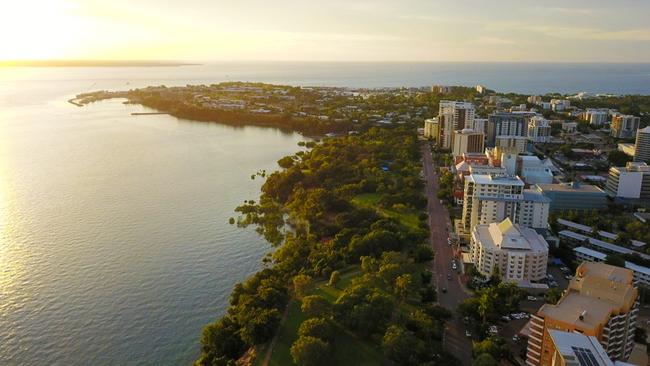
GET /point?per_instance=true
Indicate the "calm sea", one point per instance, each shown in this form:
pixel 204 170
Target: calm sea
pixel 114 242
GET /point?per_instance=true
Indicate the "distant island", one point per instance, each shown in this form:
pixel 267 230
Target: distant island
pixel 92 63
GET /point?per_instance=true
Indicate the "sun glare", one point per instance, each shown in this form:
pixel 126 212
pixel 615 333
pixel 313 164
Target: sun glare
pixel 38 29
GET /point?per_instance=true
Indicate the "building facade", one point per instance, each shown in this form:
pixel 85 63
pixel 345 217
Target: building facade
pixel 601 301
pixel 642 145
pixel 467 141
pixel 519 253
pixel 641 273
pixel 539 129
pixel 624 126
pixel 453 116
pixel 573 196
pixel 575 349
pixel 631 181
pixel 596 116
pixel 507 124
pixel 493 198
pixel 431 128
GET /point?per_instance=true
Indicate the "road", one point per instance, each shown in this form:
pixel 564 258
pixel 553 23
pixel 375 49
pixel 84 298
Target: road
pixel 455 340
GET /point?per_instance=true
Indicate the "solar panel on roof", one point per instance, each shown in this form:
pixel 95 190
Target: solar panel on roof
pixel 585 356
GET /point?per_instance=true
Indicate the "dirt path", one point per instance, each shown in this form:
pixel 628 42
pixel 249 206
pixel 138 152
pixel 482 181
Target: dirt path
pixel 269 350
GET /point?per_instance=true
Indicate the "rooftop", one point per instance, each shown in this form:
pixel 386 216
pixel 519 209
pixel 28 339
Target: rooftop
pixel 587 350
pixel 569 187
pixel 496 179
pixel 535 196
pixel 597 291
pixel 508 236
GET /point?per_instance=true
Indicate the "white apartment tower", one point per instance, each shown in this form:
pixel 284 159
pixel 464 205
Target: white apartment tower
pixel 493 198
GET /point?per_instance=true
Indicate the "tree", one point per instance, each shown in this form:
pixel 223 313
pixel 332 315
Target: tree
pixel 403 285
pixel 315 306
pixel 553 296
pixel 286 162
pixel 301 285
pixel 618 158
pixel 335 277
pixel 309 351
pixel 615 260
pixel 402 346
pixel 485 359
pixel 318 328
pixel 221 340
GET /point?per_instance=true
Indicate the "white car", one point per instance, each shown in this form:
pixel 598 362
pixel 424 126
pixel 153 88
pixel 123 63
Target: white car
pixel 468 334
pixel 494 329
pixel 531 298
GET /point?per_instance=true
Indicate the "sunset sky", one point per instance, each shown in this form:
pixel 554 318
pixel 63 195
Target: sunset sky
pixel 349 30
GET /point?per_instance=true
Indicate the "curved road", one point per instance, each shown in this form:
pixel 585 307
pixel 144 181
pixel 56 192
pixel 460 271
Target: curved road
pixel 455 340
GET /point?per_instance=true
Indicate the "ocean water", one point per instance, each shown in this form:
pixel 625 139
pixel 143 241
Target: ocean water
pixel 115 247
pixel 114 242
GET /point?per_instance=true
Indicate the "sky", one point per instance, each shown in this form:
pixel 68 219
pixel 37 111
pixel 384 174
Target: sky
pixel 333 30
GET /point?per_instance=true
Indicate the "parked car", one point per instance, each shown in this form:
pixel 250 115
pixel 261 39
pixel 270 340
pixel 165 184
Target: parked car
pixel 444 290
pixel 505 318
pixel 468 334
pixel 493 329
pixel 515 338
pixel 531 298
pixel 448 276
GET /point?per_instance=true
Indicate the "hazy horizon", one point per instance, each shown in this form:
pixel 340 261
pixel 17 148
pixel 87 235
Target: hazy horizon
pixel 346 31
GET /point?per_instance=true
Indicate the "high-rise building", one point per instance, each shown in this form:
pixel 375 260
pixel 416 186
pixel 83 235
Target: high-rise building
pixel 511 144
pixel 493 198
pixel 601 301
pixel 453 116
pixel 480 125
pixel 630 181
pixel 507 124
pixel 642 145
pixel 532 170
pixel 559 105
pixel 519 253
pixel 539 129
pixel 596 116
pixel 431 128
pixel 467 141
pixel 624 126
pixel 575 349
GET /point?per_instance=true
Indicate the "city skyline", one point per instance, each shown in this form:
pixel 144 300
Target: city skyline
pixel 416 30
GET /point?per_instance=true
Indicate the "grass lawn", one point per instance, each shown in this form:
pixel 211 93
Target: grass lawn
pixel 408 218
pixel 347 348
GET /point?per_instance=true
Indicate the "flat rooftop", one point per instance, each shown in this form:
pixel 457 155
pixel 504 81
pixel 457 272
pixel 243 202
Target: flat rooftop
pixel 496 179
pixel 567 187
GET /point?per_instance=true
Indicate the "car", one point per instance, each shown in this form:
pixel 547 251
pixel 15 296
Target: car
pixel 448 276
pixel 505 318
pixel 515 338
pixel 444 290
pixel 441 202
pixel 568 277
pixel 468 334
pixel 493 329
pixel 531 298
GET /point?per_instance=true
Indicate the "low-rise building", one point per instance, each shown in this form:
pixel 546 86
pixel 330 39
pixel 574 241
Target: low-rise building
pixel 570 127
pixel 631 181
pixel 517 252
pixel 627 148
pixel 512 144
pixel 573 196
pixel 575 349
pixel 601 301
pixel 559 105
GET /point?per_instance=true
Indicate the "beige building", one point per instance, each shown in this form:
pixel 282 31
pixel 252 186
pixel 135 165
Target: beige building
pixel 431 128
pixel 519 253
pixel 467 141
pixel 601 301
